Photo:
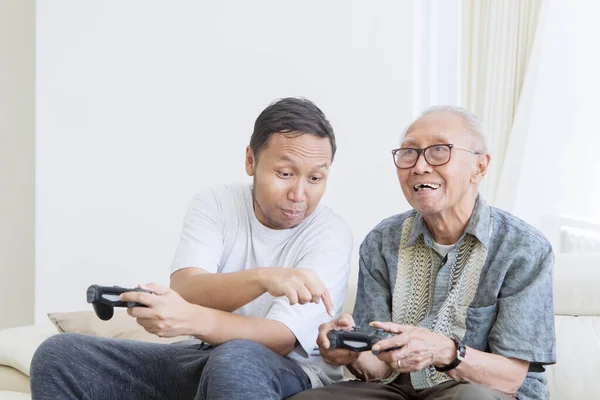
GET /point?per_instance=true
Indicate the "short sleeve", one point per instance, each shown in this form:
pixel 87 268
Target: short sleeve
pixel 373 296
pixel 524 326
pixel 201 241
pixel 328 254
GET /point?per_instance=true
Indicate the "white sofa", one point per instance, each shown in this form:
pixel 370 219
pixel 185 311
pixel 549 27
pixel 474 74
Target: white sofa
pixel 577 310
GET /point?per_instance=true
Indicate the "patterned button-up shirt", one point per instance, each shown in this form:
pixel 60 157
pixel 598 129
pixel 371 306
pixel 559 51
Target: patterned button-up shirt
pixel 494 288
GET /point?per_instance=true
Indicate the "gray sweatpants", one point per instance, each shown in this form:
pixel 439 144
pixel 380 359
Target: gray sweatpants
pixel 73 366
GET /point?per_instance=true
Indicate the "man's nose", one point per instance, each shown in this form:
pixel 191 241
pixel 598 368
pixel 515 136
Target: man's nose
pixel 296 192
pixel 422 166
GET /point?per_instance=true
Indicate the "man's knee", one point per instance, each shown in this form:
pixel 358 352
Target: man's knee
pixel 50 356
pixel 237 366
pixel 237 355
pixel 53 350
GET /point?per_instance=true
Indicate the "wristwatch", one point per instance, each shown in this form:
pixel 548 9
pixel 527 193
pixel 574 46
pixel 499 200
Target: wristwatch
pixel 461 353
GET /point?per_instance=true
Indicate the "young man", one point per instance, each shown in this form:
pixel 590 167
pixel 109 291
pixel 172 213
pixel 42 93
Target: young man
pixel 466 288
pixel 253 266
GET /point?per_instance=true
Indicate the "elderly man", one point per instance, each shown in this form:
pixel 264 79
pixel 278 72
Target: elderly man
pixel 466 288
pixel 253 264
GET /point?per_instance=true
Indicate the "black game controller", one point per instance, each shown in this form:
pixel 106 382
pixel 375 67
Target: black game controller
pixel 105 298
pixel 357 340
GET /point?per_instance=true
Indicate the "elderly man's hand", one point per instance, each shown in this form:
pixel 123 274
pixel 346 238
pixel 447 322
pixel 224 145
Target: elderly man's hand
pixel 337 356
pixel 167 314
pixel 419 347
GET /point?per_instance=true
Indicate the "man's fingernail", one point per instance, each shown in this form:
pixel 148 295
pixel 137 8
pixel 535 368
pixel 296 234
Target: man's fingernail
pixel 371 323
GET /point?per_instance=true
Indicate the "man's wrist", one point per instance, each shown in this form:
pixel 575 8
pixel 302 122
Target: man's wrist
pixel 461 352
pixel 447 353
pixel 201 321
pixel 260 277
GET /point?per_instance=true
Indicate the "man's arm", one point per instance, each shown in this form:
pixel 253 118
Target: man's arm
pixel 419 348
pixel 230 291
pixel 224 291
pixel 216 327
pixel 490 370
pixel 523 329
pixel 169 315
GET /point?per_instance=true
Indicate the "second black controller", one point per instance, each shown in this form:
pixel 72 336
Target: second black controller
pixel 356 340
pixel 105 298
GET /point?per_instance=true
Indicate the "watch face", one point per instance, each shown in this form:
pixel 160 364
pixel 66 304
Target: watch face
pixel 461 350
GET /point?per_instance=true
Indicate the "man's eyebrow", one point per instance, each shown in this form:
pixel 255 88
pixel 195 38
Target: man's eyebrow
pixel 288 159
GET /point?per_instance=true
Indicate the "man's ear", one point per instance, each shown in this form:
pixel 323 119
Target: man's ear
pixel 250 161
pixel 483 162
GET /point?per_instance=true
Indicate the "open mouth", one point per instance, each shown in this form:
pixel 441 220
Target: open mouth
pixel 292 213
pixel 426 186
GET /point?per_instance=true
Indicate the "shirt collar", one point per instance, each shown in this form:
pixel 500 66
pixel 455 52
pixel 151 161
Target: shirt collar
pixel 478 225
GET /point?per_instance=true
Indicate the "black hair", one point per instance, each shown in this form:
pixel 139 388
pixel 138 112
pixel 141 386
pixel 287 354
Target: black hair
pixel 294 116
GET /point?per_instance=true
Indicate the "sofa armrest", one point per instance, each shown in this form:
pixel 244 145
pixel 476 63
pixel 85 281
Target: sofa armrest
pixel 13 380
pixel 17 345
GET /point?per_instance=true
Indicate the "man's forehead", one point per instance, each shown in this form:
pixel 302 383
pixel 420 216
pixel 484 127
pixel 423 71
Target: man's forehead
pixel 415 136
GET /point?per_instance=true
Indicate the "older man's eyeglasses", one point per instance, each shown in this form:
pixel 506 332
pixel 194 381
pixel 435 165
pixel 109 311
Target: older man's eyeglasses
pixel 435 155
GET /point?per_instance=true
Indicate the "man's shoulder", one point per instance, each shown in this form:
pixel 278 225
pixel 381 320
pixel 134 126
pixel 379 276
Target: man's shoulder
pixel 512 228
pixel 391 225
pixel 225 190
pixel 224 195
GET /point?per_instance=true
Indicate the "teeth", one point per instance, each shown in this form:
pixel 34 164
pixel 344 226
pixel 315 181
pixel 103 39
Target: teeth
pixel 428 186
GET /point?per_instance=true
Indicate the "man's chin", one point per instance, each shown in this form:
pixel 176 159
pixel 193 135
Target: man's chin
pixel 426 208
pixel 288 224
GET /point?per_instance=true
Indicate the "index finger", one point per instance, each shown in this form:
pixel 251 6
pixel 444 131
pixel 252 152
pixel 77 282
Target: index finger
pixel 328 303
pixel 391 343
pixel 391 326
pixel 138 297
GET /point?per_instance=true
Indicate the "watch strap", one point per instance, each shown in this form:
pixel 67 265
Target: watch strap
pixel 461 352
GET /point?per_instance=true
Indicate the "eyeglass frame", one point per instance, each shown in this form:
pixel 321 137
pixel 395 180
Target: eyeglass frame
pixel 422 151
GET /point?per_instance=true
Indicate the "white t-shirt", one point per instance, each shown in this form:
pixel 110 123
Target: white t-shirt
pixel 443 249
pixel 222 234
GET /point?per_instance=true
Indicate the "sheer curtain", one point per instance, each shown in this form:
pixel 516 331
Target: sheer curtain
pixel 497 41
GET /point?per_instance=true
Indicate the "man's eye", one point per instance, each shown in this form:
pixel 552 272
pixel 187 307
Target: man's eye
pixel 284 174
pixel 315 179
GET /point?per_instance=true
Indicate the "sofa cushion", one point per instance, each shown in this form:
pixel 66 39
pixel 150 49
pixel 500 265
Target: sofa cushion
pixel 575 375
pixel 120 326
pixel 578 240
pixel 17 345
pixel 576 280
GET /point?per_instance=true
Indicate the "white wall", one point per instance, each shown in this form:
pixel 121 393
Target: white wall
pixel 142 103
pixel 17 138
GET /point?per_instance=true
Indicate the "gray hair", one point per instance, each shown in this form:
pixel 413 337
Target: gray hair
pixel 471 123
